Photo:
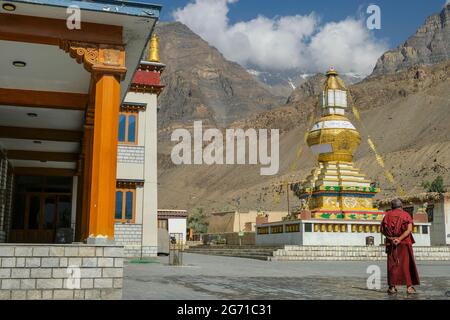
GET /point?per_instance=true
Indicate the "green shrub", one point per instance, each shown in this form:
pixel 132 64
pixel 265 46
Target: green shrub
pixel 437 185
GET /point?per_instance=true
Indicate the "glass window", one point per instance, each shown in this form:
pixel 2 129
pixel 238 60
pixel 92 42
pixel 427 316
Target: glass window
pixel 64 212
pixel 19 212
pixel 128 127
pixel 34 212
pixel 122 127
pixel 132 128
pixel 129 206
pixel 119 201
pixel 125 205
pixel 49 212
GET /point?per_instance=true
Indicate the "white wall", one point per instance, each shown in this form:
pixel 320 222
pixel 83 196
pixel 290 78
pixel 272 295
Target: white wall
pixel 130 171
pixel 178 225
pixel 438 227
pixel 146 197
pixel 331 238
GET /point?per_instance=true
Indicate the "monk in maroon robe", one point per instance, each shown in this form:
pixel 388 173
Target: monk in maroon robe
pixel 397 226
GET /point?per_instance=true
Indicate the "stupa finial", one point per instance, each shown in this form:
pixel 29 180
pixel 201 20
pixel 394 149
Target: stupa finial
pixel 154 49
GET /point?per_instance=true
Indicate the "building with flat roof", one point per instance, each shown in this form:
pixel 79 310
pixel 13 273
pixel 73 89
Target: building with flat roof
pixel 78 111
pixel 431 207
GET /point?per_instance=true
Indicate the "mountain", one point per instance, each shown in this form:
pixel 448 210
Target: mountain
pixel 283 83
pixel 404 109
pixel 430 45
pixel 405 114
pixel 202 85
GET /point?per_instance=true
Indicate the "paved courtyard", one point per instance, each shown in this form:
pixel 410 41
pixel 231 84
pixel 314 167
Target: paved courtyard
pixel 214 277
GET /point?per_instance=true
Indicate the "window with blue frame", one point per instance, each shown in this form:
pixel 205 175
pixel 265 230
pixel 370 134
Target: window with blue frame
pixel 125 205
pixel 128 127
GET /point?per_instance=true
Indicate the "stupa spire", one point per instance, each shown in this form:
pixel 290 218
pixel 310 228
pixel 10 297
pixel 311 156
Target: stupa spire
pixel 154 49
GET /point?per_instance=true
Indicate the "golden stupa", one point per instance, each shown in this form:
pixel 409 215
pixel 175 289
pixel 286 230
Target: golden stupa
pixel 336 189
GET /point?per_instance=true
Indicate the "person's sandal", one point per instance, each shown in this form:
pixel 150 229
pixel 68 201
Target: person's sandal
pixel 392 291
pixel 411 290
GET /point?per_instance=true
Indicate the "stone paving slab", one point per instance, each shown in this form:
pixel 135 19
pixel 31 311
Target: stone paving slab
pixel 213 277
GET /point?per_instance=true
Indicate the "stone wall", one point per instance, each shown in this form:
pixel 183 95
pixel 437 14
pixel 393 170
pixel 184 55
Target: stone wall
pixel 231 238
pixel 130 237
pixel 130 154
pixel 60 272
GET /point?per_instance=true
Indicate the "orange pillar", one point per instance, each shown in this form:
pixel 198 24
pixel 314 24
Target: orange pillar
pixel 104 159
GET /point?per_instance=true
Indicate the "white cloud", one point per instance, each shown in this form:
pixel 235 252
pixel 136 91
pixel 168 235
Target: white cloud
pixel 299 41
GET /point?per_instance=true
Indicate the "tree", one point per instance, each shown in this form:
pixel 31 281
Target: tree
pixel 436 186
pixel 197 221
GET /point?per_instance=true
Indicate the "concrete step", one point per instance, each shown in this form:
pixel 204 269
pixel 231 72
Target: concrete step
pixel 319 253
pixel 249 252
pixel 235 255
pixel 336 253
pixel 231 252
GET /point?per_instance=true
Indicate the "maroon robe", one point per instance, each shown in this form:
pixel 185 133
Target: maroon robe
pixel 401 267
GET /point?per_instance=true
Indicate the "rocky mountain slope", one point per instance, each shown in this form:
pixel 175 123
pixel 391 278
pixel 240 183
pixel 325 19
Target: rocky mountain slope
pixel 202 85
pixel 430 45
pixel 406 114
pixel 404 108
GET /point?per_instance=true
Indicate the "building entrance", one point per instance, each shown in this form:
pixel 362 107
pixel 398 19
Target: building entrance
pixel 42 205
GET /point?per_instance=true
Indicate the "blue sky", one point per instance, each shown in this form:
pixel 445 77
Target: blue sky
pixel 308 35
pixel 400 18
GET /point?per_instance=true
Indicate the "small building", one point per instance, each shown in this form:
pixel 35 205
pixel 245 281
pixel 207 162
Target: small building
pixel 237 221
pixel 436 206
pixel 238 227
pixel 174 221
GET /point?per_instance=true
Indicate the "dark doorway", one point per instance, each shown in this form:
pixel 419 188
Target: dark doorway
pixel 41 206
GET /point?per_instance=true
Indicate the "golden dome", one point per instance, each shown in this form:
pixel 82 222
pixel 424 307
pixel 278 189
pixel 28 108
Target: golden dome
pixel 339 144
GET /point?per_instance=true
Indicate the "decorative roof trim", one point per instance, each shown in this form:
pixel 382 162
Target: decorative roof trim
pixel 152 66
pixel 133 107
pixel 153 89
pixel 415 198
pixel 129 8
pixel 165 214
pixel 129 184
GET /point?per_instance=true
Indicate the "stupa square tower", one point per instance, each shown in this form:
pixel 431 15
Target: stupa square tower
pixel 336 189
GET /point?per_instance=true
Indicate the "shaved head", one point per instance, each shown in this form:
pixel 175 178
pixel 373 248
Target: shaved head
pixel 396 203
